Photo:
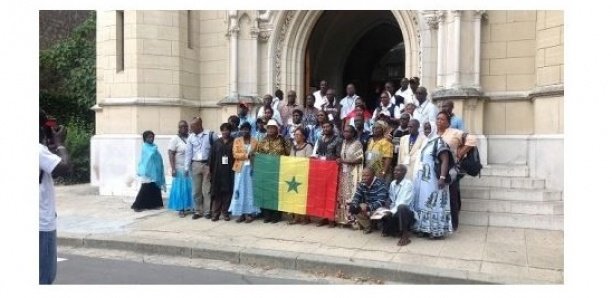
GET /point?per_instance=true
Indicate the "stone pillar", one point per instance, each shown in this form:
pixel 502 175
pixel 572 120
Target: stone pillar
pixel 233 32
pixel 456 71
pixel 434 19
pixel 477 28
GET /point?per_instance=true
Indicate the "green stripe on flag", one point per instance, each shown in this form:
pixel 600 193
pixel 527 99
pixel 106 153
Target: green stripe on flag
pixel 265 180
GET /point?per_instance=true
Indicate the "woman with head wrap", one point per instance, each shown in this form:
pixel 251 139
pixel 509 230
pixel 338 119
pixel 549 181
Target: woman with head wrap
pixel 151 173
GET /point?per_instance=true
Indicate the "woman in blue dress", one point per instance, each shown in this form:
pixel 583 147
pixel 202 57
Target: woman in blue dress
pixel 180 192
pixel 242 204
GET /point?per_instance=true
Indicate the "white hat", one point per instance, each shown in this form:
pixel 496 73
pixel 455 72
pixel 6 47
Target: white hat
pixel 272 122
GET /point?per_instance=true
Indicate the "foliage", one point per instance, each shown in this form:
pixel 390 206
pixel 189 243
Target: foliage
pixel 68 91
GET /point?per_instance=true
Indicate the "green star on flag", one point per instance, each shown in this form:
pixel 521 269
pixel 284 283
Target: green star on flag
pixel 293 185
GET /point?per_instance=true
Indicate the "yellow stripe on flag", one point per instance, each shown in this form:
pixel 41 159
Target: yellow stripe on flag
pixel 293 184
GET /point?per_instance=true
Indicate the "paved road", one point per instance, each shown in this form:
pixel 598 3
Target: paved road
pixel 86 270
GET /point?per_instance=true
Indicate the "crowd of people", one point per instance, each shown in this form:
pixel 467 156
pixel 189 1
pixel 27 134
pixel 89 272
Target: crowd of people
pixel 397 163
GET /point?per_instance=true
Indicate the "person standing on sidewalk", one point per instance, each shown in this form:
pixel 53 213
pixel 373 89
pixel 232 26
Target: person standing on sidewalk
pixel 151 173
pixel 53 160
pixel 222 182
pixel 197 156
pixel 351 166
pixel 180 191
pixel 273 144
pixel 242 204
pixel 300 148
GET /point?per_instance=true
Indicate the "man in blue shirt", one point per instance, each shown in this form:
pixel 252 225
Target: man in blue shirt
pixel 197 153
pixel 456 122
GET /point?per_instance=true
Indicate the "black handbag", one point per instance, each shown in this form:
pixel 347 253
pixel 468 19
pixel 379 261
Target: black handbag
pixel 470 164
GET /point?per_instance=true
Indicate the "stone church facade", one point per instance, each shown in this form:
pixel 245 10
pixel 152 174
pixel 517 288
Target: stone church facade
pixel 502 69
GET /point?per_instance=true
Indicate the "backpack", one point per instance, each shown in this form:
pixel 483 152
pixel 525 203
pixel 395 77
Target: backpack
pixel 471 163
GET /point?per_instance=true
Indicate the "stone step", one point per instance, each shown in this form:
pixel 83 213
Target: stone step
pixel 505 170
pixel 512 220
pixel 503 182
pixel 488 193
pixel 519 207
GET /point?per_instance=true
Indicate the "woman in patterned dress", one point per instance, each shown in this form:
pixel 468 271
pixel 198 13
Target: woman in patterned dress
pixel 351 165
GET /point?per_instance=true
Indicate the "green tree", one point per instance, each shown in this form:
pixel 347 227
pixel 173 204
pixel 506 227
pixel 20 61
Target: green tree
pixel 67 84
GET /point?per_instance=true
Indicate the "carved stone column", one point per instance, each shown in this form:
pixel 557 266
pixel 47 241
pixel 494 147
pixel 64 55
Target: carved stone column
pixel 457 50
pixel 233 35
pixel 478 15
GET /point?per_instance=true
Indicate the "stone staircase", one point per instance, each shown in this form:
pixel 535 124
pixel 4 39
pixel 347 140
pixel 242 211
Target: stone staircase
pixel 505 196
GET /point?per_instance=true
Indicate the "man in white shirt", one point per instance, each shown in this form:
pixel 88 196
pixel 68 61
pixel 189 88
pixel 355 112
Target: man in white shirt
pixel 405 92
pixel 348 103
pixel 426 111
pixel 267 101
pixel 401 218
pixel 197 165
pixel 320 95
pixel 410 148
pixel 386 105
pixel 278 98
pixel 53 160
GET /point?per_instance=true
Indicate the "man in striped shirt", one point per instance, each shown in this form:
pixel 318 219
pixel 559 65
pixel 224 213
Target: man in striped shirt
pixel 370 195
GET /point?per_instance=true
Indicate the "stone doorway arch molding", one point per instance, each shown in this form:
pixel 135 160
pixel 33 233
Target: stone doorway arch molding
pixel 290 38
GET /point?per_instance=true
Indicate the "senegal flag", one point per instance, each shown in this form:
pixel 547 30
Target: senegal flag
pixel 295 184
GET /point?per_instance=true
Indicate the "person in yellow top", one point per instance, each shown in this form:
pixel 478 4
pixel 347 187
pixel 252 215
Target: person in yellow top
pixel 379 152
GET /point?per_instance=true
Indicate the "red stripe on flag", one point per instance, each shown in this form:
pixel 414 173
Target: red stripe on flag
pixel 322 188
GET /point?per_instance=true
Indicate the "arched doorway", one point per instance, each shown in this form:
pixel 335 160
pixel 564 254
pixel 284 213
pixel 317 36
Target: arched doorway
pixel 365 48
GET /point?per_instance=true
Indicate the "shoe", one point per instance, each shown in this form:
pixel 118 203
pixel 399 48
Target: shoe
pixel 208 216
pixel 275 220
pixel 196 216
pixel 332 224
pixel 226 217
pixel 240 219
pixel 138 210
pixel 249 219
pixel 267 220
pixel 367 231
pixel 216 218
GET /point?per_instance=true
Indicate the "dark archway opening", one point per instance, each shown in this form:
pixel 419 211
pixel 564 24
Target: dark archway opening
pixel 365 48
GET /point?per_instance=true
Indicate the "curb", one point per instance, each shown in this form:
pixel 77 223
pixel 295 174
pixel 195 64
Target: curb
pixel 305 262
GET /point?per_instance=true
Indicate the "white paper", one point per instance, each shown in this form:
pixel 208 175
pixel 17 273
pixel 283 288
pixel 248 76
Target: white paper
pixel 369 156
pixel 323 158
pixel 224 160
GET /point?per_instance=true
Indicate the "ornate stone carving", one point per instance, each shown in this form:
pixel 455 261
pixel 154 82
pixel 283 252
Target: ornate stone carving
pixel 265 31
pixel 264 27
pixel 480 14
pixel 415 20
pixel 433 18
pixel 279 46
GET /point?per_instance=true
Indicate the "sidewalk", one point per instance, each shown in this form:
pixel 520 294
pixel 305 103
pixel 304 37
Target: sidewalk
pixel 473 254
